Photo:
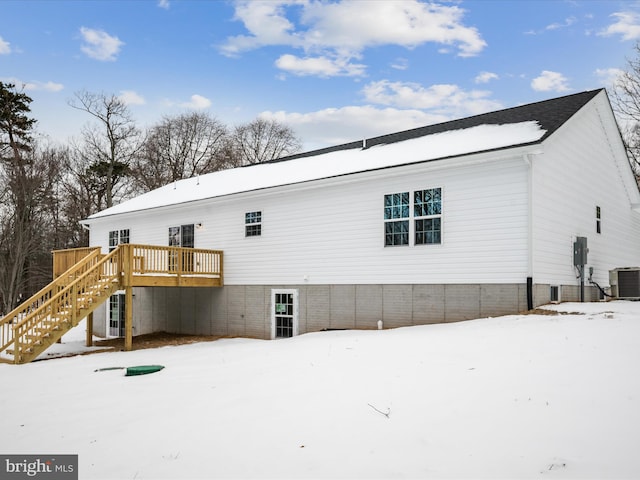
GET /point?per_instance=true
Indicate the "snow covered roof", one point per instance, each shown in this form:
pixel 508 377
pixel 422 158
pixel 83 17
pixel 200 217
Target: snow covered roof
pixel 519 126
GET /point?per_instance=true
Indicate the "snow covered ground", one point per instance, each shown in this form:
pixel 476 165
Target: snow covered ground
pixel 525 396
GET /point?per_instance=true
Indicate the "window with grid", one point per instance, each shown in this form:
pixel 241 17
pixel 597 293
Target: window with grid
pixel 124 236
pixel 113 240
pixel 253 224
pixel 117 237
pixel 427 212
pixel 418 216
pixel 396 219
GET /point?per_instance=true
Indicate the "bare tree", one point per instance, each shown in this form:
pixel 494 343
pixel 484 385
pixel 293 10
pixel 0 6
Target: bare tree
pixel 75 199
pixel 110 145
pixel 179 147
pixel 28 175
pixel 261 141
pixel 625 98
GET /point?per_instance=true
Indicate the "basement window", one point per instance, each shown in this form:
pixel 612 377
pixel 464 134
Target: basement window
pixel 253 224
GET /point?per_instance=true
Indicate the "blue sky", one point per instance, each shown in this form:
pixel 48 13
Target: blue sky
pixel 333 71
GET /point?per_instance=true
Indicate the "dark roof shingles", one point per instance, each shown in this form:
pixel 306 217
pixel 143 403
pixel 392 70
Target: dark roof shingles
pixel 550 115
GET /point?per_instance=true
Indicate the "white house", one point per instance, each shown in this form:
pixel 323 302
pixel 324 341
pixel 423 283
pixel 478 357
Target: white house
pixel 468 218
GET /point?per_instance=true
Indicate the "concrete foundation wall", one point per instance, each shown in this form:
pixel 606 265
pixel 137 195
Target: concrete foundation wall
pixel 568 293
pixel 245 310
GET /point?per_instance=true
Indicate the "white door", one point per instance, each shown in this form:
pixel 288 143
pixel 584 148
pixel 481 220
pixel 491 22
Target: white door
pixel 284 313
pixel 115 316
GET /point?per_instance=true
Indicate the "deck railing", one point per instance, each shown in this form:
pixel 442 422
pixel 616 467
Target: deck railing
pixel 63 260
pixel 39 302
pixel 157 260
pixel 68 303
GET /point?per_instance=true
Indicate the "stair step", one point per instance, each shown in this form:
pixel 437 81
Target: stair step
pixel 45 331
pixel 36 340
pixel 11 351
pixel 49 327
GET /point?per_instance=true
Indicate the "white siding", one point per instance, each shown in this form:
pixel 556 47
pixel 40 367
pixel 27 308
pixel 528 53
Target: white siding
pixel 577 172
pixel 332 231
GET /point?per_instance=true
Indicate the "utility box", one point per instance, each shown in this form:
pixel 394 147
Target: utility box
pixel 580 251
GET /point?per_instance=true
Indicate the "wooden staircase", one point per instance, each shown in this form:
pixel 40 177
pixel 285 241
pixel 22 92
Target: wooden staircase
pixel 43 319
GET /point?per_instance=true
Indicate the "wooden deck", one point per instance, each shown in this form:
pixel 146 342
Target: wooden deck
pixel 84 278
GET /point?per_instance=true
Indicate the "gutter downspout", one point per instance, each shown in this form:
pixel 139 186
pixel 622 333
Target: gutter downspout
pixel 528 157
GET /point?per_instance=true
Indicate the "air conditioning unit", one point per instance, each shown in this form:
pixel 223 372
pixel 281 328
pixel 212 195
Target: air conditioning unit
pixel 625 283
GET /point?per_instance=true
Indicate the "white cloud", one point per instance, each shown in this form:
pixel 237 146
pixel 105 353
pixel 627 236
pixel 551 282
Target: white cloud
pixel 550 81
pixel 485 77
pixel 197 102
pixel 567 23
pixel 333 126
pixel 33 86
pixel 129 97
pixel 342 30
pixel 320 66
pixel 46 86
pixel 393 107
pixel 445 99
pixel 99 45
pixel 267 24
pixel 164 4
pixel 400 64
pixel 5 47
pixel 608 76
pixel 554 26
pixel 627 24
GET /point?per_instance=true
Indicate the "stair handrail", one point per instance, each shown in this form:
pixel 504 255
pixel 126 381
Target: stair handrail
pixel 42 296
pixel 25 325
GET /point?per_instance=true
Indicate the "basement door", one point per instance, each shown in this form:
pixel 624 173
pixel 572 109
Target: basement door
pixel 116 315
pixel 284 313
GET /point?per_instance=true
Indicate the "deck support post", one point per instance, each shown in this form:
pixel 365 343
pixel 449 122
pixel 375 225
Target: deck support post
pixel 89 338
pixel 128 319
pixel 127 275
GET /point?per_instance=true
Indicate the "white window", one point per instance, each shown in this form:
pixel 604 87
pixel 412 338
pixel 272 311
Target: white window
pixel 396 219
pixel 253 224
pixel 427 218
pixel 427 211
pixel 116 237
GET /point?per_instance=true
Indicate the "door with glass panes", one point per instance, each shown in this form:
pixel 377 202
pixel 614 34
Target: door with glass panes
pixel 182 236
pixel 116 315
pixel 284 313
